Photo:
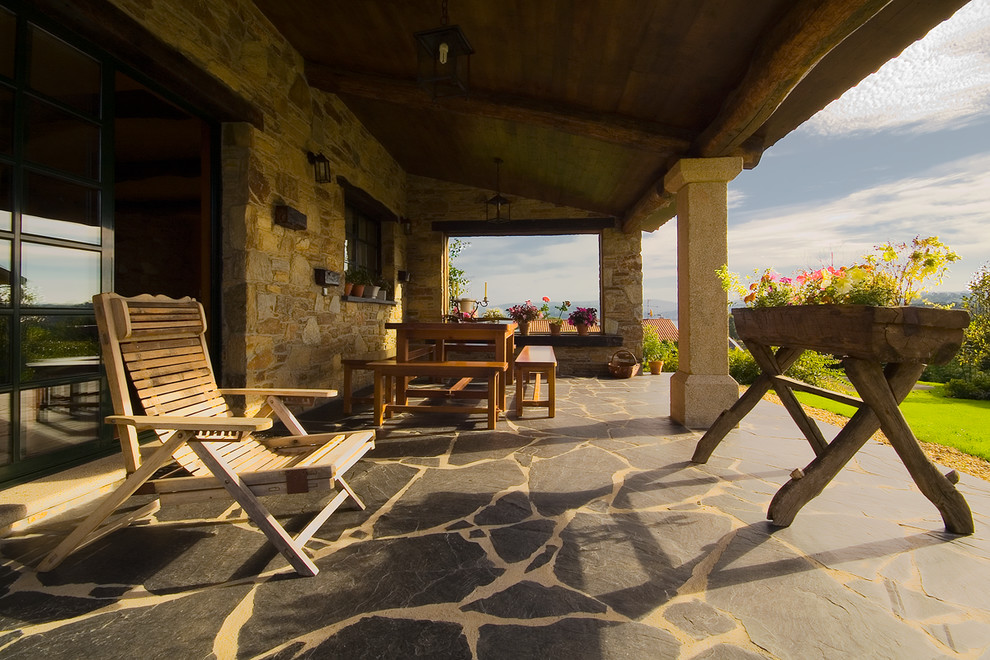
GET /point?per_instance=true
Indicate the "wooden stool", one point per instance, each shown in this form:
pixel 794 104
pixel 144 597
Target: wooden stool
pixel 539 361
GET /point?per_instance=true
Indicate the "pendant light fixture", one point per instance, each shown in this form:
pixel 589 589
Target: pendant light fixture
pixel 444 59
pixel 497 208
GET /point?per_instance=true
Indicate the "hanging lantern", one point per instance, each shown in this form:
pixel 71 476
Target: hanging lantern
pixel 444 59
pixel 497 208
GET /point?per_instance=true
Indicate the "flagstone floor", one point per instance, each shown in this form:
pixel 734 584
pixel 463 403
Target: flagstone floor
pixel 590 535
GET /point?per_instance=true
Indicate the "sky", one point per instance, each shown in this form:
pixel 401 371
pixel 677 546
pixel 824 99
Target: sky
pixel 905 153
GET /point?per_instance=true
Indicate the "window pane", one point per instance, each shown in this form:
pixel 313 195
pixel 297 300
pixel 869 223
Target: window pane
pixel 61 276
pixel 5 296
pixel 6 198
pixel 61 141
pixel 59 209
pixel 8 27
pixel 6 120
pixel 59 417
pixel 58 347
pixel 64 73
pixel 5 450
pixel 4 353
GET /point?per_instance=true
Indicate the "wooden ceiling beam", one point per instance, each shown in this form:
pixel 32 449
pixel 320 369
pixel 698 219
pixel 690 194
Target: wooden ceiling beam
pixel 794 45
pixel 611 128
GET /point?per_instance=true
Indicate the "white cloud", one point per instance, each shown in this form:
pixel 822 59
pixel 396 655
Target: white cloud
pixel 941 81
pixel 951 201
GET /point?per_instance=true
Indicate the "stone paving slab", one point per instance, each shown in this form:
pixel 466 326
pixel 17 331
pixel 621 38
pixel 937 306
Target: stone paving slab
pixel 590 535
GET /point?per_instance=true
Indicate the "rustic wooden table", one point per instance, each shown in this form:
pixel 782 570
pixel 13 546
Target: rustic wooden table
pixel 884 351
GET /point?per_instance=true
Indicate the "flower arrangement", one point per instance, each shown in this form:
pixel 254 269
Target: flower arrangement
pixel 583 316
pixel 896 275
pixel 524 312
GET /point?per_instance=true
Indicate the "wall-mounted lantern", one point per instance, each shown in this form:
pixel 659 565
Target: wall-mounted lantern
pixel 321 166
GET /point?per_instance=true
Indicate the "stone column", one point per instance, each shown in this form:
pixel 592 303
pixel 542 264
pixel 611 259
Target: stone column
pixel 702 387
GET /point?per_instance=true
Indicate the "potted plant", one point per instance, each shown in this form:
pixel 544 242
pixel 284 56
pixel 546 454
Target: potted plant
pixel 556 324
pixel 384 287
pixel 359 278
pixel 858 311
pixel 583 318
pixel 523 314
pixel 656 351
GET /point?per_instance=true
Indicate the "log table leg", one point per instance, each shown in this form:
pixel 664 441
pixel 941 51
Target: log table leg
pixel 873 388
pixel 785 357
pixel 794 494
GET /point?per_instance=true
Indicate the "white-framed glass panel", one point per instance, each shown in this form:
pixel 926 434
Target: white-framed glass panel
pixel 6 197
pixel 63 73
pixel 8 32
pixel 62 141
pixel 58 276
pixel 59 209
pixel 59 417
pixel 5 455
pixel 6 120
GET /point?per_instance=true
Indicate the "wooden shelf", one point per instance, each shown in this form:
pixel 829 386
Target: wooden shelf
pixel 374 301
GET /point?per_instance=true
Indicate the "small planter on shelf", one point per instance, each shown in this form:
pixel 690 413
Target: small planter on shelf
pixel 556 328
pixel 583 318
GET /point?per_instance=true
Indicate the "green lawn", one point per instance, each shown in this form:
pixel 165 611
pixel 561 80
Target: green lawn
pixel 960 423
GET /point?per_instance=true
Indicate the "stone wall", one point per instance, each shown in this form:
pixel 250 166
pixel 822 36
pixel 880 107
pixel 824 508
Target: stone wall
pixel 621 267
pixel 278 327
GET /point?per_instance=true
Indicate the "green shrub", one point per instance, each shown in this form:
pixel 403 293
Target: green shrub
pixel 670 359
pixel 742 367
pixel 812 368
pixel 977 387
pixel 816 369
pixel 943 373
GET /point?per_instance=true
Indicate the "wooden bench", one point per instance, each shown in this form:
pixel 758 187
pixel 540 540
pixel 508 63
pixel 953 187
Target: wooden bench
pixel 388 401
pixel 536 361
pixel 352 364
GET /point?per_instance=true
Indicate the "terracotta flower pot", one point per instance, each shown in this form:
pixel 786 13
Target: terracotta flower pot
pixel 555 329
pixel 523 328
pixel 582 328
pixel 348 287
pixel 656 366
pixel 358 291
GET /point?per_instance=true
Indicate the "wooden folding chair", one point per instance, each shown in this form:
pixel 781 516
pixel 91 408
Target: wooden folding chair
pixel 154 348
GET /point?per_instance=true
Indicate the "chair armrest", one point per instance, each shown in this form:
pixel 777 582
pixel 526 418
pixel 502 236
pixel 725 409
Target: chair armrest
pixel 276 391
pixel 168 423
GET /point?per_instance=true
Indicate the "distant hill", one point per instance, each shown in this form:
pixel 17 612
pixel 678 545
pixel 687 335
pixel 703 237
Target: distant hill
pixel 945 297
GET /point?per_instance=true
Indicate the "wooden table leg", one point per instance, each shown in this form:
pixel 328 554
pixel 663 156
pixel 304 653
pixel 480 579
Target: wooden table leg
pixel 552 390
pixel 728 419
pixel 873 389
pixel 794 494
pixel 379 398
pixel 768 363
pixel 493 399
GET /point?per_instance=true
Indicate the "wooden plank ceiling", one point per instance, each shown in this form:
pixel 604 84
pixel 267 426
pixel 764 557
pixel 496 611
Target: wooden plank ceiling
pixel 590 102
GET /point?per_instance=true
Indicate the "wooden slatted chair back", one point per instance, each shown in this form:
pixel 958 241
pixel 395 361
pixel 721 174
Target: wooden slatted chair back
pixel 154 350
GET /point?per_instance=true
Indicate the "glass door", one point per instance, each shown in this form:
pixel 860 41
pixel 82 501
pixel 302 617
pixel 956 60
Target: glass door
pixel 53 252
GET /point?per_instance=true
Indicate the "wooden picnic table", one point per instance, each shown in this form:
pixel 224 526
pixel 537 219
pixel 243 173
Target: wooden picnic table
pixel 444 336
